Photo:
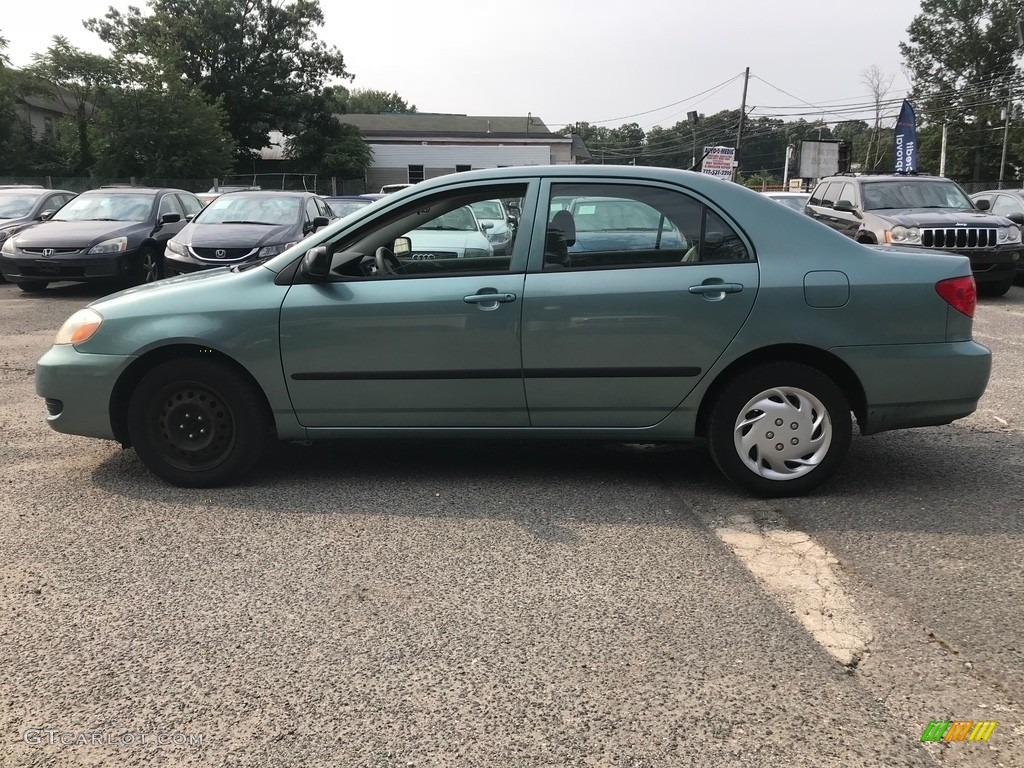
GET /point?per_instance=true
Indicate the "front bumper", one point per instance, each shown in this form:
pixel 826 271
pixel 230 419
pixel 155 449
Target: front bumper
pixel 918 385
pixel 77 388
pixel 81 268
pixel 994 266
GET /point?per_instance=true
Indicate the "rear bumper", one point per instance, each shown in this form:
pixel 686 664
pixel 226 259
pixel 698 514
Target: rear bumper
pixel 918 385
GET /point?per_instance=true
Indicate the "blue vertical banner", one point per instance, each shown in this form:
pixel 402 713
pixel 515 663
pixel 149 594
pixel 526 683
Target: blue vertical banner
pixel 905 147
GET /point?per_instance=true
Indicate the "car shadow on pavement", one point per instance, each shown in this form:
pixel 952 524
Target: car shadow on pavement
pixel 88 291
pixel 943 480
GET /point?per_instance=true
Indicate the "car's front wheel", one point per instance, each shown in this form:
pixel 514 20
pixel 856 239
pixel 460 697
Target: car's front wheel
pixel 197 423
pixel 780 429
pixel 150 265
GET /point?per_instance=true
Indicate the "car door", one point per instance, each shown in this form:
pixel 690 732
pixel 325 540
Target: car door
pixel 435 344
pixel 618 338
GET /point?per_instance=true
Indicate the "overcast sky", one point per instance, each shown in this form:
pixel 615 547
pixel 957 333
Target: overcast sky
pixel 646 61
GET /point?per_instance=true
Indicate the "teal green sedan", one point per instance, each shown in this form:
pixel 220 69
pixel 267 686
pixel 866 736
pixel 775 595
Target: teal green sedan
pixel 733 321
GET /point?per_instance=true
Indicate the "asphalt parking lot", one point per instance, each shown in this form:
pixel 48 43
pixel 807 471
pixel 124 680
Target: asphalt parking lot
pixel 424 603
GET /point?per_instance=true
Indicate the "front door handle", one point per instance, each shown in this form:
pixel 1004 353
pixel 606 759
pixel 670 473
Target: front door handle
pixel 490 298
pixel 706 288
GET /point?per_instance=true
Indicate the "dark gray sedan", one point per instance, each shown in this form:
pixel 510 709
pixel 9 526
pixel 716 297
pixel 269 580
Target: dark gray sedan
pixel 245 226
pixel 21 207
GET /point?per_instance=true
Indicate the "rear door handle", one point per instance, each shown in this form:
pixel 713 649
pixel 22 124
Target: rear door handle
pixel 490 298
pixel 705 288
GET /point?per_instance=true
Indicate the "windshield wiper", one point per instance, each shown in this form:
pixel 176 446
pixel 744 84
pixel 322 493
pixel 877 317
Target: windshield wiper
pixel 264 223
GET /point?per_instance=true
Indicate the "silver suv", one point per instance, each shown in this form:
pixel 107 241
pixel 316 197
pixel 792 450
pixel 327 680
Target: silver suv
pixel 922 212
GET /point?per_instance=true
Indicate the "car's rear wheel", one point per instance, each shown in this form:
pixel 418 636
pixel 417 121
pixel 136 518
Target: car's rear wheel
pixel 197 423
pixel 33 286
pixel 780 429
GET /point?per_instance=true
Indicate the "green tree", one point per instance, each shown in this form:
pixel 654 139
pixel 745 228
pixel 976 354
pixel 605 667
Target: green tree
pixel 261 58
pixel 965 82
pixel 165 133
pixel 366 101
pixel 78 80
pixel 326 146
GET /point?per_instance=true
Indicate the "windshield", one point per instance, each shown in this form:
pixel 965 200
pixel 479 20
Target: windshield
pixel 107 207
pixel 251 209
pixel 796 203
pixel 342 208
pixel 488 209
pixel 14 205
pixel 879 196
pixel 461 219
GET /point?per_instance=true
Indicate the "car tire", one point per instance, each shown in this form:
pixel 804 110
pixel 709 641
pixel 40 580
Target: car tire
pixel 33 286
pixel 808 411
pixel 150 267
pixel 994 290
pixel 197 423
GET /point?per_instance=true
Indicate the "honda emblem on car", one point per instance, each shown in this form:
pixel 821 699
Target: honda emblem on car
pixel 220 253
pixel 47 252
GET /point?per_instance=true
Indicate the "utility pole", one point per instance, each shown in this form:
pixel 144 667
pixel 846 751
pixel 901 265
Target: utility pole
pixel 942 152
pixel 739 131
pixel 1006 132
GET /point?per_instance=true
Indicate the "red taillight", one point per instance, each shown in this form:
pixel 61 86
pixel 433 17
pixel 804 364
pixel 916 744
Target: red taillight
pixel 960 293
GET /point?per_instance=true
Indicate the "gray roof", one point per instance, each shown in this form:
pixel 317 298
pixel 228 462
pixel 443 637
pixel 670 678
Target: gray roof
pixel 429 124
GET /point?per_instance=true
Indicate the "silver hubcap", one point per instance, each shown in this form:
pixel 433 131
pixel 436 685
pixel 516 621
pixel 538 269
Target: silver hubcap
pixel 782 433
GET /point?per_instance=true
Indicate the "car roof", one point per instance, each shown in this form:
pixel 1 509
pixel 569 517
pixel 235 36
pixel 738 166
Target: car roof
pixel 134 190
pixel 39 191
pixel 1017 192
pixel 787 194
pixel 267 193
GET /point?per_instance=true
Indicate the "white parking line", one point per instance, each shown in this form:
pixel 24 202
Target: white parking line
pixel 799 574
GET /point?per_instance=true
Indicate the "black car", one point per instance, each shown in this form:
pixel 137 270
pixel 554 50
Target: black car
pixel 103 234
pixel 23 206
pixel 343 205
pixel 1008 203
pixel 245 226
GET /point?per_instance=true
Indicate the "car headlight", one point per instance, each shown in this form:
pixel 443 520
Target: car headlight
pixel 9 232
pixel 79 327
pixel 114 245
pixel 8 246
pixel 175 247
pixel 1009 234
pixel 273 250
pixel 499 237
pixel 475 253
pixel 911 235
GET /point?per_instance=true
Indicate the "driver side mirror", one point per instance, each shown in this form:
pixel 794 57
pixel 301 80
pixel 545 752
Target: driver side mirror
pixel 487 225
pixel 320 221
pixel 317 262
pixel 403 246
pixel 47 215
pixel 1016 218
pixel 982 204
pixel 170 218
pixel 845 206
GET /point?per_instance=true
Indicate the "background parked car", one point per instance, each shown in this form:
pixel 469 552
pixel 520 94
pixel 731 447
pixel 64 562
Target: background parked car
pixel 454 235
pixel 497 224
pixel 244 226
pixel 922 212
pixel 213 193
pixel 103 234
pixel 795 200
pixel 23 206
pixel 1008 203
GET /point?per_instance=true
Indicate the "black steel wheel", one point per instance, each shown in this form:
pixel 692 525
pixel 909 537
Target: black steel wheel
pixel 197 423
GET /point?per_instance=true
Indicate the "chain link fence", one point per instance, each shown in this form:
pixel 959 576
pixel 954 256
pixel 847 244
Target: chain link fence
pixel 322 185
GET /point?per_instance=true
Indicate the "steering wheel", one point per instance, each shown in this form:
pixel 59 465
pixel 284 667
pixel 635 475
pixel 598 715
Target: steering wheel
pixel 387 262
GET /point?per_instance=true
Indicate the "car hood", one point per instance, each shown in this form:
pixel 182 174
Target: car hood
pixel 166 286
pixel 236 235
pixel 15 222
pixel 76 234
pixel 931 217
